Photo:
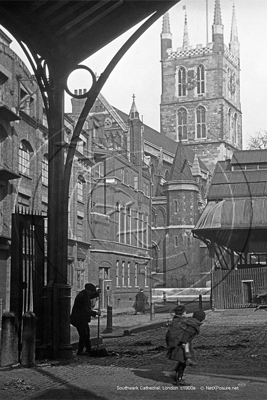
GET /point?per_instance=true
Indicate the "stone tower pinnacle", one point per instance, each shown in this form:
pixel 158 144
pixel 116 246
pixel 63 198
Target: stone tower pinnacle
pixel 234 43
pixel 166 29
pixel 186 36
pixel 217 13
pixel 217 28
pixel 166 36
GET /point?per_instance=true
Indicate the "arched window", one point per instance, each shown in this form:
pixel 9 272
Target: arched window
pixel 201 122
pixel 45 170
pixel 182 124
pixel 200 79
pixel 80 190
pixel 181 81
pixel 25 151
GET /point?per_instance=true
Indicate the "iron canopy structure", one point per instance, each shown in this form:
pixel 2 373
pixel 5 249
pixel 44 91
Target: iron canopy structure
pixel 234 221
pixel 56 36
pixel 67 32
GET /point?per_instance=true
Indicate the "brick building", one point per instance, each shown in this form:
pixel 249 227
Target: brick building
pixel 24 168
pixel 179 180
pixel 201 92
pixel 119 205
pixel 135 193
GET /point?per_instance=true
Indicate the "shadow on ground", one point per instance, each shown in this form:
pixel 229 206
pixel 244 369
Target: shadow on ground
pixel 155 375
pixel 67 392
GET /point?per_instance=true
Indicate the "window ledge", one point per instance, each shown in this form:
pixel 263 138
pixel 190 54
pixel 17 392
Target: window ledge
pixel 25 175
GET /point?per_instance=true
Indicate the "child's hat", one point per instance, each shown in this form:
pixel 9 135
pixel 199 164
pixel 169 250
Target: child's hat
pixel 179 310
pixel 200 315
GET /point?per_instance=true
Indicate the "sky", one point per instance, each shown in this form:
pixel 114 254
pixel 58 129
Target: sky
pixel 139 71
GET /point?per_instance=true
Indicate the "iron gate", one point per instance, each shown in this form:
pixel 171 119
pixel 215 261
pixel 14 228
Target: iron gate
pixel 27 266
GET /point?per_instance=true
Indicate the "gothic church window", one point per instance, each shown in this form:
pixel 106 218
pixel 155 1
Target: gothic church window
pixel 181 82
pixel 182 124
pixel 200 79
pixel 201 122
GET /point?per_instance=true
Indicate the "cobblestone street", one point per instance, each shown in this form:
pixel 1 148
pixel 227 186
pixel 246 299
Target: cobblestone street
pixel 230 342
pixel 231 349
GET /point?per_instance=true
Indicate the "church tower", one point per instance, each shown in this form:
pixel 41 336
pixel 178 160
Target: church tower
pixel 200 98
pixel 182 200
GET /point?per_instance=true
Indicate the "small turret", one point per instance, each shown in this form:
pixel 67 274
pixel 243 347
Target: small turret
pixel 136 140
pixel 166 36
pixel 134 114
pixel 234 45
pixel 217 28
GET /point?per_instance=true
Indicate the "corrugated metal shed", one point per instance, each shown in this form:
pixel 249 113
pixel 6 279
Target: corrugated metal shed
pixel 232 222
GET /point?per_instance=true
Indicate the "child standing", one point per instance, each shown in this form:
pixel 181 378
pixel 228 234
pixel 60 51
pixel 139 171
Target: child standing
pixel 179 340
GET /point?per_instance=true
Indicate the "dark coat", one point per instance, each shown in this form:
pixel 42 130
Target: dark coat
pixel 182 330
pixel 140 302
pixel 82 309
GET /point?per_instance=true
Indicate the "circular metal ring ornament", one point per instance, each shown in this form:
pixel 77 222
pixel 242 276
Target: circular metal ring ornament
pixel 84 95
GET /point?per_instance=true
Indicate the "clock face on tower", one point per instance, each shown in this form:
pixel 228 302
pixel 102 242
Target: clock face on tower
pixel 108 123
pixel 232 84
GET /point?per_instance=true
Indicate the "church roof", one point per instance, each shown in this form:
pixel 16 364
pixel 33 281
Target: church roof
pixel 180 170
pixel 162 141
pixel 243 176
pixel 195 167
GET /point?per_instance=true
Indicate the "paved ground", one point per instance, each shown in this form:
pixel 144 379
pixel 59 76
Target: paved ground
pixel 232 352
